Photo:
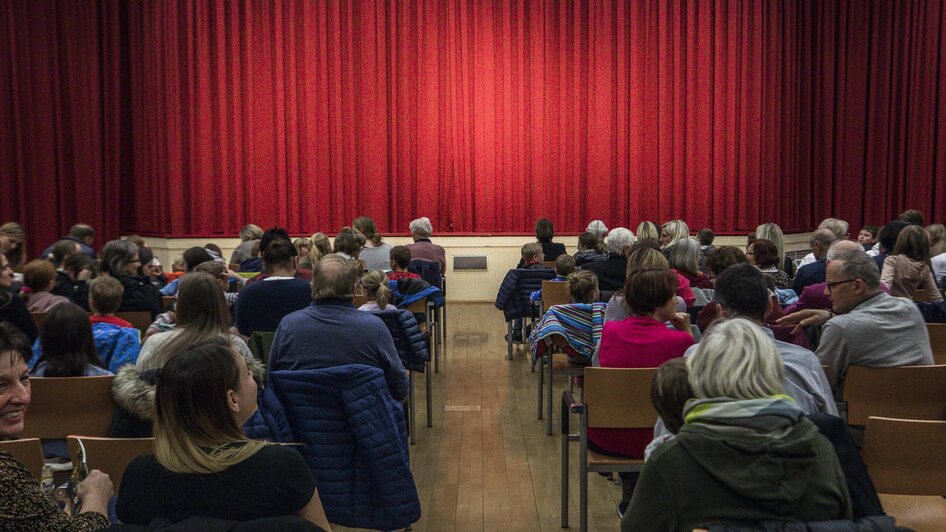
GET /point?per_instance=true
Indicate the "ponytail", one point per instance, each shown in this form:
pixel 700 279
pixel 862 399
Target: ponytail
pixel 376 287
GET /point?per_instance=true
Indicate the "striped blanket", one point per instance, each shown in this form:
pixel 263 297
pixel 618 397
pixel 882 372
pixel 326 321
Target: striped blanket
pixel 579 324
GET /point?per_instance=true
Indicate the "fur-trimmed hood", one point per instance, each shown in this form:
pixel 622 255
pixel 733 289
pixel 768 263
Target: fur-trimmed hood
pixel 133 389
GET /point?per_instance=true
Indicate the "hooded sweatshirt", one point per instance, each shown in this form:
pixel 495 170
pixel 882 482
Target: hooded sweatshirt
pixel 739 462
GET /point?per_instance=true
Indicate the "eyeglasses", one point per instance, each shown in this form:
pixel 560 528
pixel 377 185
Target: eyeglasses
pixel 831 286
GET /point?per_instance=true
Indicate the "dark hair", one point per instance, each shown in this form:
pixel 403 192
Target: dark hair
pixel 743 290
pixel 195 256
pixel 724 257
pixel 61 250
pixel 765 253
pixel 590 240
pixel 366 226
pixel 271 234
pixel 77 262
pixel 706 236
pixel 210 246
pixel 116 254
pixel 14 341
pixel 872 229
pixel 136 240
pixel 145 255
pixel 279 253
pixel 401 255
pixel 82 231
pixel 544 229
pixel 750 238
pixel 349 241
pixel 669 392
pixel 912 217
pixel 66 339
pixel 889 233
pixel 914 242
pixel 647 290
pixel 565 264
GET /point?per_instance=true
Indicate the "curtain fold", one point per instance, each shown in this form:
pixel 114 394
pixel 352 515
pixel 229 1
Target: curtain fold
pixel 193 118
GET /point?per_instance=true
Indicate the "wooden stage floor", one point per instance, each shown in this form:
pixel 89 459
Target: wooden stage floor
pixel 493 468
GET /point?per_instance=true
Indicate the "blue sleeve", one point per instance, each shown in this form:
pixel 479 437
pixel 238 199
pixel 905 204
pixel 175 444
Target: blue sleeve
pixel 394 372
pixel 537 295
pixel 171 288
pixel 126 350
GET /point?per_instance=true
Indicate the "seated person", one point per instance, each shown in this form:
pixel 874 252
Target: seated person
pixel 23 506
pixel 253 263
pixel 192 258
pixel 12 308
pixel 39 278
pixel 423 248
pixel 909 268
pixel 400 260
pixel 249 235
pixel 203 465
pixel 564 266
pixel 544 232
pixel 118 342
pixel 705 237
pixel 867 237
pixel 722 258
pixel 66 348
pixel 72 278
pixel 611 272
pixel 120 260
pixel 376 288
pixel 151 268
pixel 583 287
pixel 745 453
pixel 640 341
pixel 330 332
pixel 763 254
pixel 590 249
pixel 669 392
pixel 271 235
pixel 531 257
pixel 646 255
pixel 813 272
pixel 684 258
pixel 261 305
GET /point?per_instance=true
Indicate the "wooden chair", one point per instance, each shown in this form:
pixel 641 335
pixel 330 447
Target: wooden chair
pixel 937 332
pixel 614 398
pixel 907 392
pixel 234 267
pixel 555 293
pixel 139 319
pixel 549 264
pixel 261 342
pixel 62 406
pixel 560 365
pixel 109 455
pixel 167 301
pixel 425 307
pixel 907 463
pixel 29 451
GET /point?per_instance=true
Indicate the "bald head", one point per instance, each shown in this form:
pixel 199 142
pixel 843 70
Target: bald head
pixel 334 276
pixel 842 246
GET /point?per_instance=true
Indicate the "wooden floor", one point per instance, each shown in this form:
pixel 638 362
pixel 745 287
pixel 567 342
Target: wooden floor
pixel 493 469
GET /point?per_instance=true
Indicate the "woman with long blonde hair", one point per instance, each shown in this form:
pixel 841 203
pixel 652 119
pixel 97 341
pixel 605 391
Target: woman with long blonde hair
pixel 203 465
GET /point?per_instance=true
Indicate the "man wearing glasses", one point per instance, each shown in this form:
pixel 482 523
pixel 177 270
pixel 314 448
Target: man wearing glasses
pixel 866 326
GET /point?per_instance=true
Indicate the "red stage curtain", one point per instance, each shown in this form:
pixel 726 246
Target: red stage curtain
pixel 192 118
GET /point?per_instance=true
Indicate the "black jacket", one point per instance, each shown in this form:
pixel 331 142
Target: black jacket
pixel 139 295
pixel 611 272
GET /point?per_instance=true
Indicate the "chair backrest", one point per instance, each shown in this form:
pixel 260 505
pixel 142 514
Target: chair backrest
pixel 418 307
pixel 29 451
pixel 555 293
pixel 921 295
pixel 109 455
pixel 937 332
pixel 907 392
pixel 619 397
pixel 70 405
pixel 235 266
pixel 428 271
pixel 261 342
pixel 549 264
pixel 906 456
pixel 167 301
pixel 139 319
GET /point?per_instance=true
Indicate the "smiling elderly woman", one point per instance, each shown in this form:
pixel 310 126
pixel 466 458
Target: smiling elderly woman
pixel 22 505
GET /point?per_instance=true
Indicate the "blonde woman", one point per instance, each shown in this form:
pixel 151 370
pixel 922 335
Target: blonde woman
pixel 376 288
pixel 12 242
pixel 203 465
pixel 249 235
pixel 648 231
pixel 772 232
pixel 672 232
pixel 937 233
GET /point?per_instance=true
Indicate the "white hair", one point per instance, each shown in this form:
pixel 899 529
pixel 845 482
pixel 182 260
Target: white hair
pixel 597 228
pixel 736 359
pixel 836 226
pixel 421 227
pixel 618 238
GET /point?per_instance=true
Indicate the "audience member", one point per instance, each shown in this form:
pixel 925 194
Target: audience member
pixel 544 232
pixel 151 269
pixel 745 454
pixel 23 506
pixel 13 242
pixel 815 296
pixel 349 243
pixel 138 241
pixel 771 231
pixel 597 228
pixel 684 258
pixel 423 248
pixel 250 235
pixel 331 332
pixel 887 241
pixel 590 249
pixel 322 243
pixel 216 254
pixel 82 235
pixel 400 260
pixel 224 276
pixel 909 268
pixel 867 236
pixel 871 328
pixel 646 255
pixel 12 308
pixel 648 231
pixel 60 250
pixel 376 288
pixel 307 261
pixel 302 245
pixel 838 228
pixel 261 305
pixel 669 392
pixel 717 263
pixel 39 278
pixel 813 272
pixel 66 347
pixel 376 253
pixel 750 238
pixel 203 465
pixel 193 257
pixel 531 257
pixel 120 260
pixel 705 238
pixel 640 341
pixel 72 278
pixel 611 272
pixel 912 217
pixel 937 233
pixel 763 254
pixel 582 287
pixel 117 341
pixel 672 232
pixel 564 266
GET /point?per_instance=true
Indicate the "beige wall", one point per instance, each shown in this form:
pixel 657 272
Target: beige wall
pixel 502 253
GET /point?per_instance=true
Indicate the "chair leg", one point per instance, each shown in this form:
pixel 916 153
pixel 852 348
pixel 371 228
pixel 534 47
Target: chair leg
pixel 509 338
pixel 548 395
pixel 430 401
pixel 541 376
pixel 443 319
pixel 436 348
pixel 564 468
pixel 412 405
pixel 583 483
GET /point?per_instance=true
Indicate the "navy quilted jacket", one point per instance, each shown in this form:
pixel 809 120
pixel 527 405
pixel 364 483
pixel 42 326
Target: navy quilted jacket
pixel 410 342
pixel 513 297
pixel 356 443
